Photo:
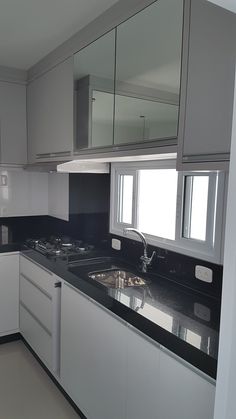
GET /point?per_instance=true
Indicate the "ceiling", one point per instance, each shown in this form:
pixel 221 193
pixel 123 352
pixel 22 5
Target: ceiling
pixel 30 29
pixel 227 4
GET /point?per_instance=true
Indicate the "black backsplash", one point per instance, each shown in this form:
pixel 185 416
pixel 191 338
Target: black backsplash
pixel 89 221
pixel 174 266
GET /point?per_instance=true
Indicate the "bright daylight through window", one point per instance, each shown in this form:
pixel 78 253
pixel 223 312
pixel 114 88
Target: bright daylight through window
pixel 175 210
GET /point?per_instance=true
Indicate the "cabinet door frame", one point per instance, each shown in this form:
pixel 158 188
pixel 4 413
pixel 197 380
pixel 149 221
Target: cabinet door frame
pixel 11 299
pixel 194 161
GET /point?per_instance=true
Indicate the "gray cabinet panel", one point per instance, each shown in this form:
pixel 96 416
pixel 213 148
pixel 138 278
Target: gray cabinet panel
pixel 142 378
pixel 94 70
pixel 13 138
pixel 148 63
pixel 183 393
pixel 93 357
pixel 207 99
pixel 50 101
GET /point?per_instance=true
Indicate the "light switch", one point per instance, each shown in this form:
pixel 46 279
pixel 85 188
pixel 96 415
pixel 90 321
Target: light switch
pixel 116 244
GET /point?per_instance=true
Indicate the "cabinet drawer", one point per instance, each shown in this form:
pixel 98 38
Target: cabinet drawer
pixel 36 336
pixel 40 276
pixel 37 301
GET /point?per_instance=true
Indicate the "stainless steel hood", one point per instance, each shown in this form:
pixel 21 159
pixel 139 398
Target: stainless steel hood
pixel 84 166
pixel 74 166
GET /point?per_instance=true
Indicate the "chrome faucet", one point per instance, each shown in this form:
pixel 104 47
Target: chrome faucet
pixel 146 261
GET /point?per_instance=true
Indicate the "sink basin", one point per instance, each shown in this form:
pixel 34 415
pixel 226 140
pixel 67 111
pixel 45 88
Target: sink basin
pixel 116 278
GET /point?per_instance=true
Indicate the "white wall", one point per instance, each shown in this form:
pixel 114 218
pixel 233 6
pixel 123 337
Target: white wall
pixel 58 195
pixel 25 193
pixel 225 405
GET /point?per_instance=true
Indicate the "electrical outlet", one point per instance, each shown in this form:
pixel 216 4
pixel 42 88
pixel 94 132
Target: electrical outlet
pixel 116 244
pixel 203 273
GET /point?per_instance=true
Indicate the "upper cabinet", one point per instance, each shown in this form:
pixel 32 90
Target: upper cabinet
pixel 13 138
pixel 127 82
pixel 162 78
pixel 207 86
pixel 50 106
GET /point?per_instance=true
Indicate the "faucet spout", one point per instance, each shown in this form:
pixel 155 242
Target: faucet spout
pixel 141 235
pixel 146 261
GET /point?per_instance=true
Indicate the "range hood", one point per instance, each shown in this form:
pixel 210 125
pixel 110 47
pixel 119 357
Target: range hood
pixel 74 166
pixel 84 166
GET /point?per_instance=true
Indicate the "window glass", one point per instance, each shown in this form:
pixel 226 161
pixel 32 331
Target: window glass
pixel 196 204
pixel 157 202
pixel 126 199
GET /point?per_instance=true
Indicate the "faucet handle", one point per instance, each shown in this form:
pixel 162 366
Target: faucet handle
pixel 148 260
pixel 152 257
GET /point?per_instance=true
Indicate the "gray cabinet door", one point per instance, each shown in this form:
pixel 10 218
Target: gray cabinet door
pixel 183 393
pixel 207 98
pixel 13 138
pixel 93 357
pixel 148 63
pixel 9 294
pixel 50 107
pixel 94 70
pixel 142 378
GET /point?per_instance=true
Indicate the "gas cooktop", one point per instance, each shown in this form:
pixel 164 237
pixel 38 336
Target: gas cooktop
pixel 62 247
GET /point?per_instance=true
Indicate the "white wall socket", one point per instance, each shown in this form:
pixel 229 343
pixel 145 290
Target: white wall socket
pixel 203 273
pixel 116 244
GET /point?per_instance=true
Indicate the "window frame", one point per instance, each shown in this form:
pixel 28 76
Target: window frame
pixel 209 250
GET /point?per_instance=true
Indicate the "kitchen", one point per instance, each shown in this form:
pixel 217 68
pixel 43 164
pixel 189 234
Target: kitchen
pixel 125 325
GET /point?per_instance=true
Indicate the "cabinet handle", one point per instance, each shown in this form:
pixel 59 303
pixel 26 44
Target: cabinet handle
pixel 53 154
pixel 36 319
pixel 206 157
pixel 36 286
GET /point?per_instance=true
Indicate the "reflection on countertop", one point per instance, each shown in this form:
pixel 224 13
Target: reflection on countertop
pixel 183 314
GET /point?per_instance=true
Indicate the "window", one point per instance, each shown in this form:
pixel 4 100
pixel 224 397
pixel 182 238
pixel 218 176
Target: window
pixel 179 211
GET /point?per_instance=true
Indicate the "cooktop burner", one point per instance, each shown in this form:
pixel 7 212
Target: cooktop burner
pixel 60 247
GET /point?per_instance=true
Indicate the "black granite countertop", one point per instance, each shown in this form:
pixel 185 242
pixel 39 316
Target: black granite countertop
pixel 184 321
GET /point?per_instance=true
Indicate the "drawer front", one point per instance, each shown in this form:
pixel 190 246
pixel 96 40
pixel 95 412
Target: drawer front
pixel 40 276
pixel 37 337
pixel 37 301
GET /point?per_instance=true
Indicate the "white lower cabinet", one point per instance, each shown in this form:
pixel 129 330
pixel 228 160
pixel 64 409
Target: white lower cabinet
pixel 112 371
pixel 9 293
pixel 184 394
pixel 93 357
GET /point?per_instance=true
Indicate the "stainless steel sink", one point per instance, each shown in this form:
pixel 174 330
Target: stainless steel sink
pixel 116 278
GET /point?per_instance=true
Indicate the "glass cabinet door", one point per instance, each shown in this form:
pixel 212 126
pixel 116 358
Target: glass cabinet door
pixel 94 68
pixel 148 66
